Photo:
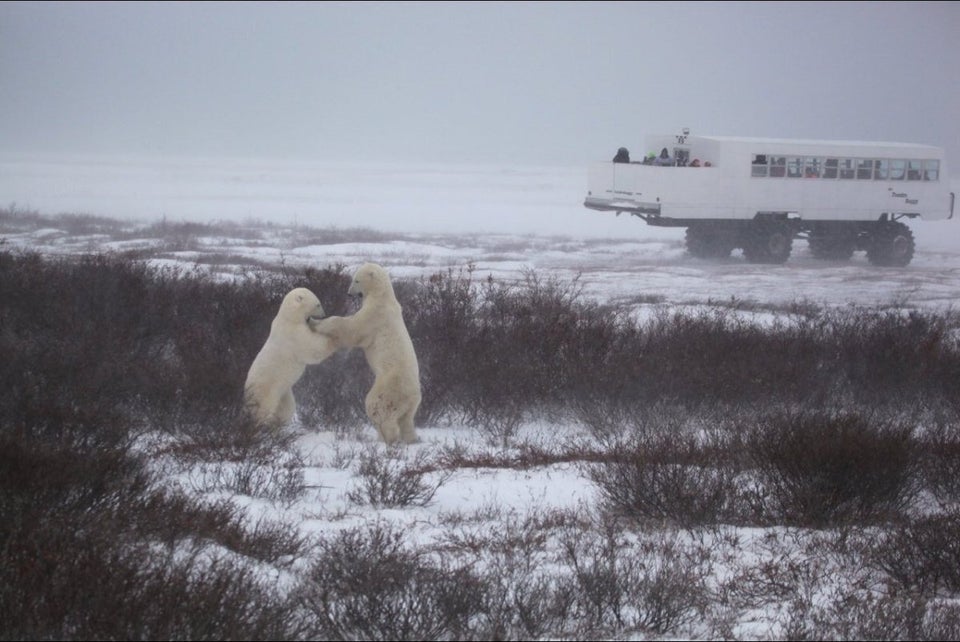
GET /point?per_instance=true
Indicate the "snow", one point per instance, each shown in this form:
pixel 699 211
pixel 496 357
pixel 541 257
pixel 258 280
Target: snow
pixel 499 221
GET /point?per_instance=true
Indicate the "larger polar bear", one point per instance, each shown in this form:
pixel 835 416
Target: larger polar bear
pixel 289 349
pixel 378 328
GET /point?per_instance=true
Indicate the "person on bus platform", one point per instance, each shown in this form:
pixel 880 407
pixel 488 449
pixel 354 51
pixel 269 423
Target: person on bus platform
pixel 663 158
pixel 695 162
pixel 649 158
pixel 623 156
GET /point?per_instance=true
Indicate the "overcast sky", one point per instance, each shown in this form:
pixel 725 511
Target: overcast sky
pixel 545 83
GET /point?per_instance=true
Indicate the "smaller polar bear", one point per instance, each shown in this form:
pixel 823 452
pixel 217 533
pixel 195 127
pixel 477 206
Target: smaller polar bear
pixel 289 349
pixel 378 328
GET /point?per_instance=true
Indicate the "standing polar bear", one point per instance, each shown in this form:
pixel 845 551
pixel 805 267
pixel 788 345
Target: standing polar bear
pixel 378 328
pixel 289 349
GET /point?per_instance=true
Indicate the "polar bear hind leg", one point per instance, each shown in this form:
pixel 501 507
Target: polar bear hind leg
pixel 271 407
pixel 286 408
pixel 407 431
pixel 383 409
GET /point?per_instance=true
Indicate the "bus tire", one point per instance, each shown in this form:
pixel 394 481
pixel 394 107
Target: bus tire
pixel 891 244
pixel 768 243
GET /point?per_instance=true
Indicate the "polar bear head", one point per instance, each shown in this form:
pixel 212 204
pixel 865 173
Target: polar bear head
pixel 300 305
pixel 370 280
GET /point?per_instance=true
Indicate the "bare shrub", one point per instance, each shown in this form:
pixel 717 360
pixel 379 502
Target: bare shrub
pixel 304 235
pixel 441 315
pixel 390 477
pixel 520 602
pixel 606 418
pixel 524 597
pixel 138 594
pixel 658 478
pixel 941 459
pixel 330 396
pixel 889 354
pixel 77 507
pixel 922 556
pixel 280 481
pixel 233 452
pixel 650 585
pixel 498 424
pixel 548 319
pixel 366 584
pixel 819 469
pixel 867 616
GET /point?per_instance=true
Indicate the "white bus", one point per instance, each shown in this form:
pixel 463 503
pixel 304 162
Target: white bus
pixel 759 194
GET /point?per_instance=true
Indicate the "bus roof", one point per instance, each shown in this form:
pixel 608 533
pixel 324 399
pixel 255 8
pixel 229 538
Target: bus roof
pixel 814 143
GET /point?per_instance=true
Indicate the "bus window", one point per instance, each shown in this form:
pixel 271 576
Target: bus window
pixel 846 168
pixel 794 167
pixel 898 169
pixel 931 170
pixel 830 168
pixel 778 167
pixel 864 169
pixel 881 170
pixel 759 165
pixel 811 167
pixel 913 170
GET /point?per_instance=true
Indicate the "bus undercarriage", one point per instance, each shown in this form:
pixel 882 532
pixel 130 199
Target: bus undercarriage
pixel 769 236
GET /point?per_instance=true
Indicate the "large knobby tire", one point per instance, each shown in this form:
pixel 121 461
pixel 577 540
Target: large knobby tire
pixel 891 244
pixel 707 243
pixel 768 243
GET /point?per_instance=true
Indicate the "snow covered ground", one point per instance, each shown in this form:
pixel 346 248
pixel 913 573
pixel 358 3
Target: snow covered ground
pixel 500 220
pixel 495 221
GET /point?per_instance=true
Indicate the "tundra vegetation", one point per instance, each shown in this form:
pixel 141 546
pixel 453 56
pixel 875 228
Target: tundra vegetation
pixel 798 479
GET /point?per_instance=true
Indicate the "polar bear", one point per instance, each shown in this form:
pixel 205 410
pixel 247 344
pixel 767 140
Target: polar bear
pixel 290 347
pixel 378 328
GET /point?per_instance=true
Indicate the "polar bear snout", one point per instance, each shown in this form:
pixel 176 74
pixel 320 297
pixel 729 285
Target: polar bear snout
pixel 315 315
pixel 314 319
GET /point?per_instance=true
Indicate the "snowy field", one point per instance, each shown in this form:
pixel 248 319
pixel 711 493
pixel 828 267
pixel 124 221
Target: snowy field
pixel 499 220
pixel 493 221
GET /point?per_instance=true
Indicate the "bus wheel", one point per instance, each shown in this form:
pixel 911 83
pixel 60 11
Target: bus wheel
pixel 768 243
pixel 891 244
pixel 706 243
pixel 832 248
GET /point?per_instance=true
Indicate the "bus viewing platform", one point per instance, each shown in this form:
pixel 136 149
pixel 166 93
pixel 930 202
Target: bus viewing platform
pixel 760 194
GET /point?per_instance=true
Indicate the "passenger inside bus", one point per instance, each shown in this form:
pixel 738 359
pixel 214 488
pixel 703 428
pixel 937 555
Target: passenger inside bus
pixel 664 158
pixel 778 167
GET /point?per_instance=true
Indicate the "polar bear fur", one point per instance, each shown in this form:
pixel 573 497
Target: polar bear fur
pixel 291 346
pixel 378 328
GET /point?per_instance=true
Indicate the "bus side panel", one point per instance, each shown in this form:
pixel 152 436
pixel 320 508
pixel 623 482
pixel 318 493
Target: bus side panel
pixel 727 191
pixel 868 200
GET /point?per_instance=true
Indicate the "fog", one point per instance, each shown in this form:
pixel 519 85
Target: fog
pixel 516 83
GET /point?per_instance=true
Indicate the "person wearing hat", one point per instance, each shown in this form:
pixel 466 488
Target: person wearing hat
pixel 664 158
pixel 623 156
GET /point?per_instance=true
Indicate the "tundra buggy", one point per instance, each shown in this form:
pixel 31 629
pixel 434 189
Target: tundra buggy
pixel 759 194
